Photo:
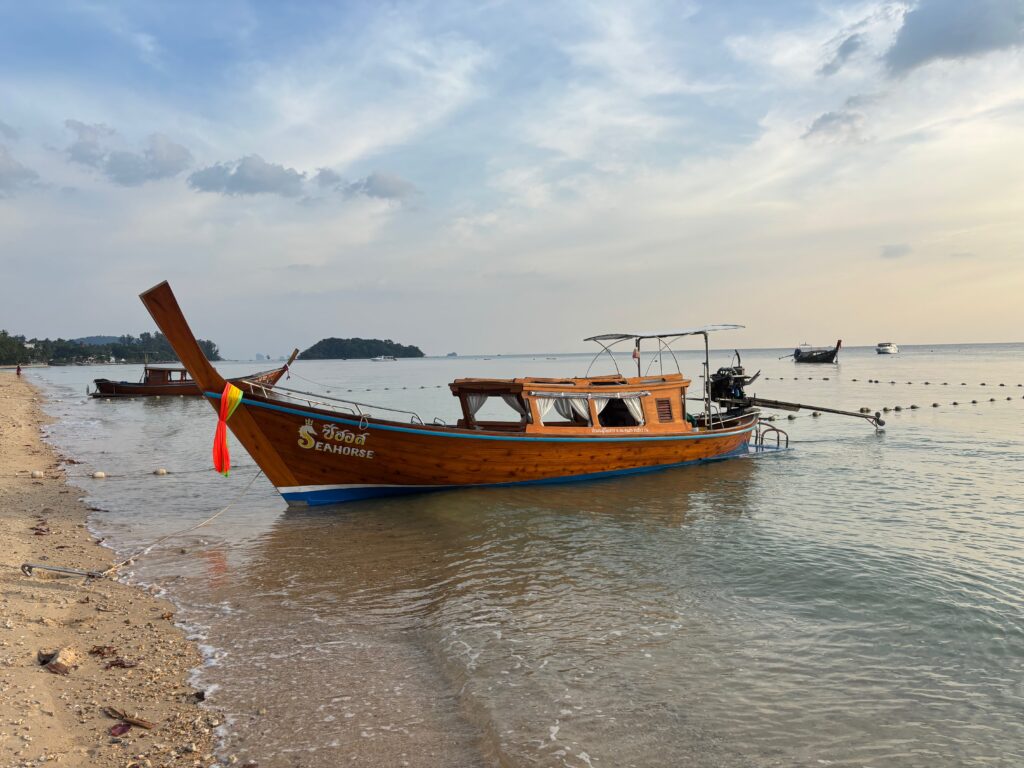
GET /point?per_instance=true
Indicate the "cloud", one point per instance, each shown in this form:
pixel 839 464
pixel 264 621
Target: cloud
pixel 162 159
pixel 895 250
pixel 251 175
pixel 8 132
pixel 954 29
pixel 846 49
pixel 87 148
pixel 837 126
pixel 13 174
pixel 384 185
pixel 326 178
pixel 379 184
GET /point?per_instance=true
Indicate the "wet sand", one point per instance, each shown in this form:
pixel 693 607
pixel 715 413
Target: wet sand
pixel 47 717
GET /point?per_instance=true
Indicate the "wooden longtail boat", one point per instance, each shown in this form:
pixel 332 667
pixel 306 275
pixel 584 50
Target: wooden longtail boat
pixel 169 381
pixel 808 354
pixel 321 451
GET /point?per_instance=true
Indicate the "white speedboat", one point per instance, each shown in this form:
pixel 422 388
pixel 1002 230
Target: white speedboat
pixel 384 359
pixel 886 348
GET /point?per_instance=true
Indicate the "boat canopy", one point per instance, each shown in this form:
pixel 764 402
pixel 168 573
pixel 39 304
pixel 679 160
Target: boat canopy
pixel 673 335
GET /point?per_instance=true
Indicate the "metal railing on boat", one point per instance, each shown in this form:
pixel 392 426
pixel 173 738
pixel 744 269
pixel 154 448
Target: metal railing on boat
pixel 336 404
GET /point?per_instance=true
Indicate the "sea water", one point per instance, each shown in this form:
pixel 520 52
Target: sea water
pixel 856 601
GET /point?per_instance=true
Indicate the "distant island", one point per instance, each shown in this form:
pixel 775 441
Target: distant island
pixel 147 347
pixel 346 349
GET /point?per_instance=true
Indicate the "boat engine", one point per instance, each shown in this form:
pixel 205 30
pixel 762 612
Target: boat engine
pixel 728 383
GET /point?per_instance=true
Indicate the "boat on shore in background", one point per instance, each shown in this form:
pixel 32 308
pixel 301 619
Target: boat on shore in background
pixel 805 353
pixel 170 381
pixel 886 348
pixel 384 359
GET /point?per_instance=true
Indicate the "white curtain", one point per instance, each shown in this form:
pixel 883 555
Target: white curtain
pixel 474 403
pixel 635 408
pixel 544 406
pixel 570 407
pixel 513 402
pixel 600 403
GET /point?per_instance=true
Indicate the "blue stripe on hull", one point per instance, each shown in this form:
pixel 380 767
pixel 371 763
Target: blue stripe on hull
pixel 337 495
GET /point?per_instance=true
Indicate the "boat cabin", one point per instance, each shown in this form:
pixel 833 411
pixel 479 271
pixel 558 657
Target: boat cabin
pixel 593 405
pixel 166 376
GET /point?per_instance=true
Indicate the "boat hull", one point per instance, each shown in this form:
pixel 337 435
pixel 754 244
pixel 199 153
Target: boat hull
pixel 315 457
pixel 825 356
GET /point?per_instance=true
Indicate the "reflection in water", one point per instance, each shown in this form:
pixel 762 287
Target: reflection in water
pixel 857 601
pixel 495 596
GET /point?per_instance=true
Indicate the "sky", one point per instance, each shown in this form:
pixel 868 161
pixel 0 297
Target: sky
pixel 511 177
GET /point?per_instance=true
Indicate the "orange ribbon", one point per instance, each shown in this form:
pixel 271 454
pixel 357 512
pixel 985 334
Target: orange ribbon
pixel 230 399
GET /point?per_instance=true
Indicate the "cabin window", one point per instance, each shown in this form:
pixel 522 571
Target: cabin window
pixel 621 412
pixel 496 408
pixel 664 409
pixel 564 411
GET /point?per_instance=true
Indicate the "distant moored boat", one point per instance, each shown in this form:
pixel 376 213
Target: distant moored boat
pixel 886 348
pixel 808 354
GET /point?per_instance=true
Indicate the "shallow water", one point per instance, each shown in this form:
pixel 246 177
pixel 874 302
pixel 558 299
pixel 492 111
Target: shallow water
pixel 855 601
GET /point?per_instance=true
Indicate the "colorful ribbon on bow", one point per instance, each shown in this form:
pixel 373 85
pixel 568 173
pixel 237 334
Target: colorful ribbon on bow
pixel 229 400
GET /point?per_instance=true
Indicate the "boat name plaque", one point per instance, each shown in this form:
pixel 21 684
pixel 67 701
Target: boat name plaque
pixel 334 439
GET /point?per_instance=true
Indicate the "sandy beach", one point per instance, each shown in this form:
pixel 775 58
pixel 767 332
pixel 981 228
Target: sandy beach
pixel 119 646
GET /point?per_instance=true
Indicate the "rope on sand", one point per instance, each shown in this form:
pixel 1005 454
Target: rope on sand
pixel 27 568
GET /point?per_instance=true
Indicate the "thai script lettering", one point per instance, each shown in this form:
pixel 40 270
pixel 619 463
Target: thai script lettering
pixel 334 439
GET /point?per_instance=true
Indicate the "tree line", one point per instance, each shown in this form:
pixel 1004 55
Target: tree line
pixel 146 347
pixel 356 349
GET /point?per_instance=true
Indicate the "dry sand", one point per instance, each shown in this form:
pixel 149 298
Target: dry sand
pixel 47 717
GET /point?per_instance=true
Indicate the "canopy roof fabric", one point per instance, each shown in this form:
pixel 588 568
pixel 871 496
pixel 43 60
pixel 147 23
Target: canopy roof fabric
pixel 673 335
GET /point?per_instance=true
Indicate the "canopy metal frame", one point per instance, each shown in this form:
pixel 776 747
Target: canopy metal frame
pixel 665 341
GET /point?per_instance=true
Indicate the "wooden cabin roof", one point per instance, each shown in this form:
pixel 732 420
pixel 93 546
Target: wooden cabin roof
pixel 611 384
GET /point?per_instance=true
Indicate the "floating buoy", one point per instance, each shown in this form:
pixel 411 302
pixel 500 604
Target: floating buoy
pixel 892 382
pixel 886 409
pixel 898 408
pixel 991 399
pixel 815 414
pixel 955 403
pixel 927 382
pixel 160 471
pixel 864 409
pixel 791 417
pixel 935 405
pixel 1001 385
pixel 37 475
pixel 983 383
pixel 827 379
pixel 974 402
pixel 913 407
pixel 98 475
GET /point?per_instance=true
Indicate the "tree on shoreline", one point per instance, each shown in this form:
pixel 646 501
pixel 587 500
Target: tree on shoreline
pixel 148 347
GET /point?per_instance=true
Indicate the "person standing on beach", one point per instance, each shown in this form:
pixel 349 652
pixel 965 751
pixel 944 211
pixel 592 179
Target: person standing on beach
pixel 18 369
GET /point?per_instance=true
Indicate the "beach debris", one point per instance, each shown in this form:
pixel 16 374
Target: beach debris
pixel 60 661
pixel 37 475
pixel 120 663
pixel 120 714
pixel 40 529
pixel 103 651
pixel 167 615
pixel 98 475
pixel 120 729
